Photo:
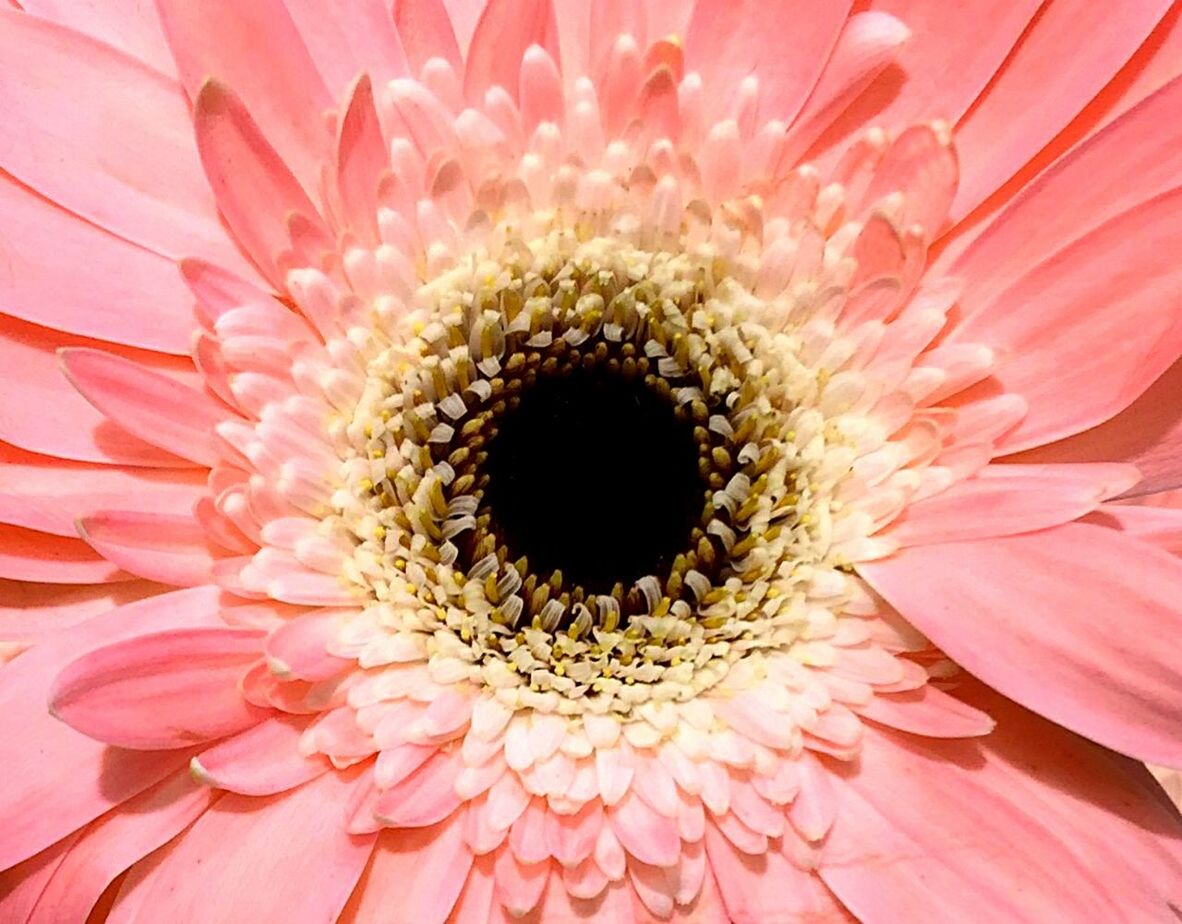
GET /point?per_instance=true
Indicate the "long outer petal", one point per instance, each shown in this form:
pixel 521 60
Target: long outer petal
pixel 1068 621
pixel 69 779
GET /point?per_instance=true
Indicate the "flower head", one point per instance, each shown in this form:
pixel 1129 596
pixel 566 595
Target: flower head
pixel 625 462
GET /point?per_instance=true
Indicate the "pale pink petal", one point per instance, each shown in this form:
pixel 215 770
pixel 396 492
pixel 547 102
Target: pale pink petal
pixel 1046 830
pixel 649 836
pixel 169 548
pixel 928 712
pixel 260 761
pixel 48 495
pixel 1148 433
pixel 1132 160
pixel 952 54
pixel 299 648
pixel 136 176
pixel 161 690
pixel 227 43
pixel 157 409
pixel 233 863
pixel 348 39
pixel 255 189
pixel 1067 621
pixel 131 25
pixel 425 30
pixel 65 273
pixel 362 156
pixel 91 436
pixel 1099 322
pixel 69 779
pixel 1070 52
pixel 114 842
pixel 869 43
pixel 505 30
pixel 424 798
pixel 1005 499
pixel 728 39
pixel 421 872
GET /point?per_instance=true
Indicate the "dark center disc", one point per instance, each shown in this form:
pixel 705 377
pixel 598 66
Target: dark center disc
pixel 594 475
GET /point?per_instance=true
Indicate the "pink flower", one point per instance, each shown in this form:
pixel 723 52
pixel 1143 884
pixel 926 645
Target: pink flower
pixel 623 461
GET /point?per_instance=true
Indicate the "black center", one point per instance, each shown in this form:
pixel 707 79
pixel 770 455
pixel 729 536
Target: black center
pixel 594 475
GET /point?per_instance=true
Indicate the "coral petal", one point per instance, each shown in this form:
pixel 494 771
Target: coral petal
pixel 226 43
pixel 260 761
pixel 254 188
pixel 168 548
pixel 295 837
pixel 70 779
pixel 136 176
pixel 114 842
pixel 163 690
pixel 1035 95
pixel 155 408
pixel 1082 601
pixel 1104 290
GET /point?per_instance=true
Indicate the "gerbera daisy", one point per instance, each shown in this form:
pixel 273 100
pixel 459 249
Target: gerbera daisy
pixel 623 461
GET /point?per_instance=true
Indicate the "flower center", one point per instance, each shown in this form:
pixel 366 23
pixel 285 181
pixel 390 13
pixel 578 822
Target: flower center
pixel 583 476
pixel 594 475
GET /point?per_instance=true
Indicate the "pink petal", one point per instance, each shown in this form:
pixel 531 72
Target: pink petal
pixel 155 408
pixel 425 31
pixel 169 548
pixel 650 837
pixel 435 858
pixel 65 273
pixel 260 761
pixel 505 30
pixel 1133 160
pixel 868 44
pixel 1159 526
pixel 287 97
pixel 48 495
pixel 130 25
pixel 729 39
pixel 114 842
pixel 1047 809
pixel 254 188
pixel 1148 433
pixel 69 779
pixel 26 555
pixel 90 436
pixel 768 887
pixel 362 156
pixel 1070 52
pixel 35 611
pixel 424 798
pixel 217 871
pixel 299 647
pixel 952 54
pixel 1067 621
pixel 921 164
pixel 21 885
pixel 1002 500
pixel 348 39
pixel 928 712
pixel 162 690
pixel 125 161
pixel 1098 323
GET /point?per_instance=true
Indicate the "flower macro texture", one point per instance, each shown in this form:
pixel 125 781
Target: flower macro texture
pixel 617 460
